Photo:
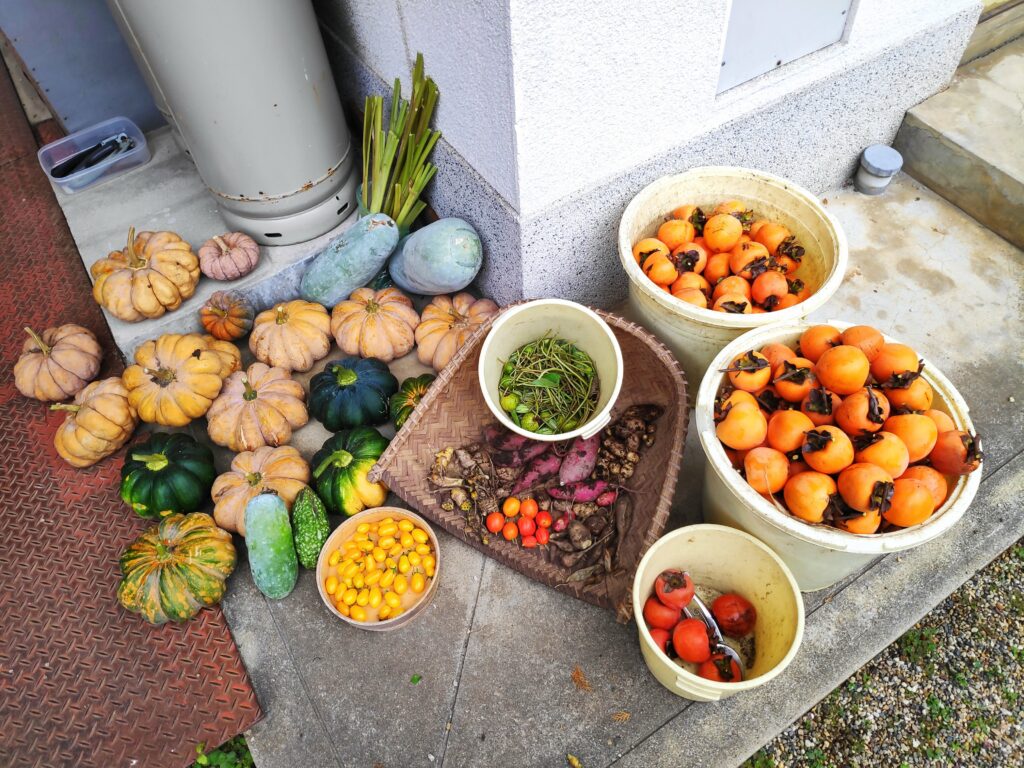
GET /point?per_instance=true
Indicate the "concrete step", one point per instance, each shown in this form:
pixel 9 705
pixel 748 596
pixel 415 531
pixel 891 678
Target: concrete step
pixel 967 142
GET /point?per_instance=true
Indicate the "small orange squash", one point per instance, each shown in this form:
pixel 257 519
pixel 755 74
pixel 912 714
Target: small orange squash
pixel 281 470
pixel 154 273
pixel 379 324
pixel 99 421
pixel 257 407
pixel 291 335
pixel 447 323
pixel 227 315
pixel 58 363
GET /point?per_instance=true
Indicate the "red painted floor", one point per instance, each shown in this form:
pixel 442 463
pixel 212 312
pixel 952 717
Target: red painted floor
pixel 82 682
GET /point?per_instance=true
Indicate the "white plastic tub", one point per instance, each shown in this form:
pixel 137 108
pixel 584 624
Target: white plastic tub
pixel 696 335
pixel 56 151
pixel 818 555
pixel 565 320
pixel 726 560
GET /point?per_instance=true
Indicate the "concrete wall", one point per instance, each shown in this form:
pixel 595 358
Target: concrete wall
pixel 555 114
pixel 465 45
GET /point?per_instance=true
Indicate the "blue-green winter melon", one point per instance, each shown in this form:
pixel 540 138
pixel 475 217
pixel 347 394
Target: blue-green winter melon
pixel 268 536
pixel 350 260
pixel 443 257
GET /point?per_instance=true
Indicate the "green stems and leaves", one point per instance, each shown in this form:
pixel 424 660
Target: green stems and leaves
pixel 395 164
pixel 549 386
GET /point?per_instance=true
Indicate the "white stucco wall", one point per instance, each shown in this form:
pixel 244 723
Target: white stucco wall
pixel 466 48
pixel 601 86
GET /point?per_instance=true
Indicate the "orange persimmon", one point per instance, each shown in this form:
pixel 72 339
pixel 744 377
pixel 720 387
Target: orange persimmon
pixel 766 469
pixel 865 487
pixel 892 360
pixel 786 430
pixel 883 449
pixel 842 369
pixel 717 267
pixel 793 379
pixel 820 406
pixel 816 339
pixel 827 449
pixel 864 411
pixel 917 432
pixel 649 246
pixel 912 503
pixel 675 232
pixel 731 285
pixel 932 478
pixel 865 337
pixel 808 495
pixel 917 395
pixel 722 231
pixel 736 303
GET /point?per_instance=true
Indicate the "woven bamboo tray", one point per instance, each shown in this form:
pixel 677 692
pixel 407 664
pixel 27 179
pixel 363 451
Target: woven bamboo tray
pixel 453 413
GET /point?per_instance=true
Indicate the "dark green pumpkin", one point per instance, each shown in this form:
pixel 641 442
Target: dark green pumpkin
pixel 170 473
pixel 352 392
pixel 404 402
pixel 340 468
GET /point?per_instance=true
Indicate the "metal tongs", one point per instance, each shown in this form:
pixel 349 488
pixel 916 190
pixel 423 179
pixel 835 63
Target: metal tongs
pixel 92 156
pixel 698 610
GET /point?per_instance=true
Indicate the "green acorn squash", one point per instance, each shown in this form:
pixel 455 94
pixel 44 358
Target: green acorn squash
pixel 404 402
pixel 175 568
pixel 170 473
pixel 340 468
pixel 352 392
pixel 310 526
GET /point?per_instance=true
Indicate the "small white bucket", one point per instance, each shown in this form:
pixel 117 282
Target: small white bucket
pixel 696 335
pixel 818 555
pixel 726 560
pixel 565 320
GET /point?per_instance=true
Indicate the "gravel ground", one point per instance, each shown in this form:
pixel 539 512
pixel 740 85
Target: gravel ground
pixel 946 693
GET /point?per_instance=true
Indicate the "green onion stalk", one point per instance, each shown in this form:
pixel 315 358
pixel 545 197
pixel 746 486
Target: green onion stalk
pixel 396 168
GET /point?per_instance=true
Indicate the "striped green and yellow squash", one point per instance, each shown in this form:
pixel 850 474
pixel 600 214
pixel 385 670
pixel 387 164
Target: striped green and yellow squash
pixel 176 568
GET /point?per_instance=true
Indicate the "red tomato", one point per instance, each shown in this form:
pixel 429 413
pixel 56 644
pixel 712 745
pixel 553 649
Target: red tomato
pixel 528 508
pixel 674 589
pixel 510 531
pixel 526 526
pixel 721 669
pixel 660 637
pixel 543 519
pixel 690 639
pixel 495 521
pixel 659 615
pixel 529 542
pixel 542 534
pixel 734 614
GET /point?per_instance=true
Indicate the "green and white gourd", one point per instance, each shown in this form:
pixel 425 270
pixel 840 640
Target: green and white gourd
pixel 350 260
pixel 443 257
pixel 310 525
pixel 268 536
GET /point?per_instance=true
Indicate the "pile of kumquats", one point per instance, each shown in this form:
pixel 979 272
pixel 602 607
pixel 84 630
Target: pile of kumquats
pixel 730 261
pixel 843 429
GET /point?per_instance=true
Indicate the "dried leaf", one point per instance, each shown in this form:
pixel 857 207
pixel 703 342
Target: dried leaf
pixel 572 760
pixel 621 717
pixel 580 680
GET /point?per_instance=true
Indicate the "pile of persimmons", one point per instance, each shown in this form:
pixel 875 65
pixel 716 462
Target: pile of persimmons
pixel 731 261
pixel 843 429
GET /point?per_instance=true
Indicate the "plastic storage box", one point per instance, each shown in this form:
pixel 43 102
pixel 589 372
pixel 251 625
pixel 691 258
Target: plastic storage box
pixel 55 152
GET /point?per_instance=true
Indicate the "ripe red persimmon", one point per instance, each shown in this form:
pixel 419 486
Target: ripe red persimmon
pixel 495 522
pixel 674 588
pixel 691 641
pixel 659 615
pixel 735 614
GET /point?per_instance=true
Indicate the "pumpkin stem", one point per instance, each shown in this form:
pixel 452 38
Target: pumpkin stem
pixel 65 407
pixel 154 461
pixel 134 260
pixel 161 376
pixel 163 552
pixel 282 317
pixel 224 247
pixel 345 377
pixel 250 393
pixel 254 479
pixel 43 346
pixel 340 458
pixel 372 307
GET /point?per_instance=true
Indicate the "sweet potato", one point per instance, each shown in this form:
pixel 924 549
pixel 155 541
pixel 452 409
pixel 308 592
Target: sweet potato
pixel 580 492
pixel 539 470
pixel 531 450
pixel 580 461
pixel 607 498
pixel 503 440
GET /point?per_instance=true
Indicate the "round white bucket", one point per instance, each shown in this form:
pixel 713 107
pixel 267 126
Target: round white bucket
pixel 565 320
pixel 696 335
pixel 726 560
pixel 818 555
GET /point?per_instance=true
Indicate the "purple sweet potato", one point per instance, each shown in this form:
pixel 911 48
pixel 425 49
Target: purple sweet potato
pixel 580 461
pixel 530 451
pixel 581 492
pixel 503 440
pixel 539 470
